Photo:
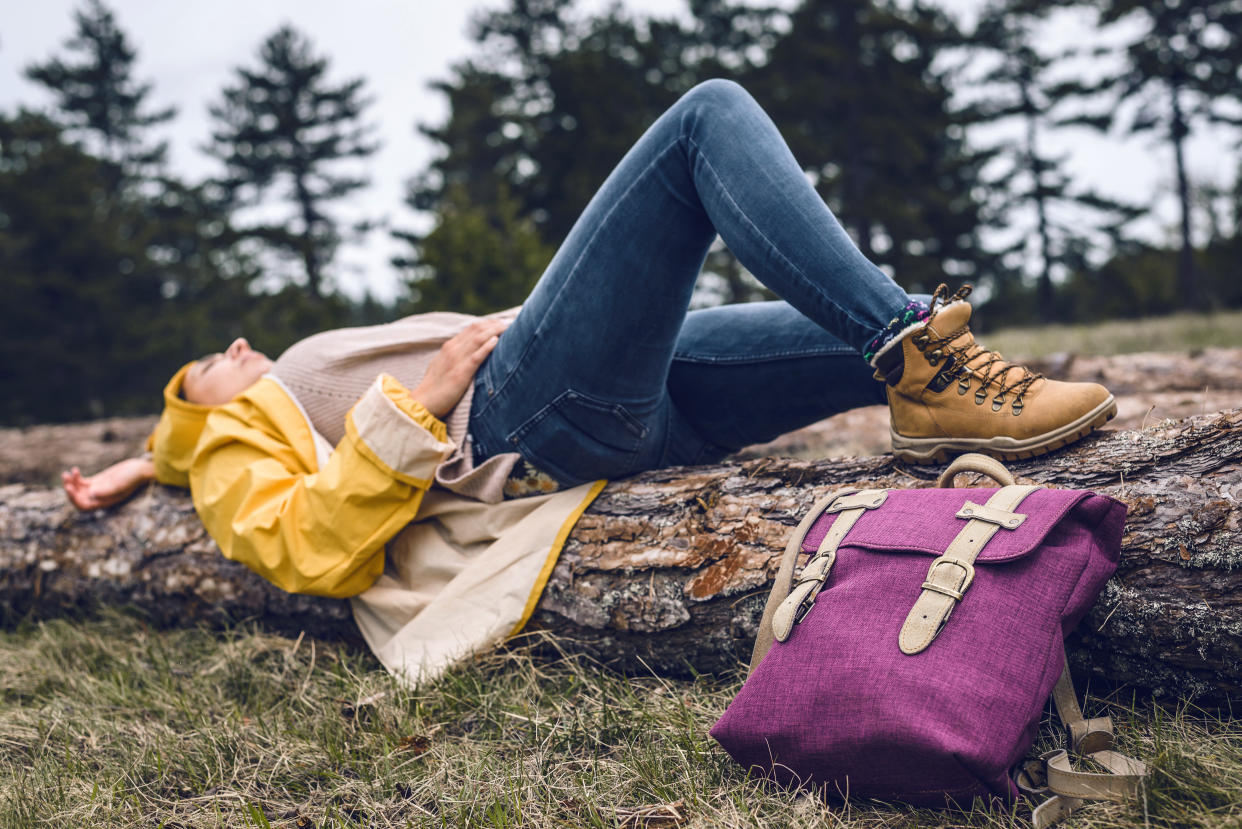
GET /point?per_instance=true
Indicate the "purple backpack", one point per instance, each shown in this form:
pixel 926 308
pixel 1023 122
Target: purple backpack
pixel 914 656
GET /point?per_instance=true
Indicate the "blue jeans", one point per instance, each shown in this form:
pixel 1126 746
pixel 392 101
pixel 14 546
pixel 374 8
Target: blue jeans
pixel 605 373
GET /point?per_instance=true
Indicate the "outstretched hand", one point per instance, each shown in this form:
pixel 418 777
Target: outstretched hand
pixel 452 369
pixel 111 486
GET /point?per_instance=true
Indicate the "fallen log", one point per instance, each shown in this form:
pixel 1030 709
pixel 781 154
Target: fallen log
pixel 668 570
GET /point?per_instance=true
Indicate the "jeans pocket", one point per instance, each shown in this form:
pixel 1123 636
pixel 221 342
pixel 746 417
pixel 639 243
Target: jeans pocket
pixel 578 438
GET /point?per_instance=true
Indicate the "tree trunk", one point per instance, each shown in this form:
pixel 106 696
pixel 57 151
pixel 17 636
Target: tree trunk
pixel 308 243
pixel 668 570
pixel 1187 279
pixel 1046 296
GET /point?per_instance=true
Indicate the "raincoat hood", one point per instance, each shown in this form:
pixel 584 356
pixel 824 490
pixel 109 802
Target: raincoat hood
pixel 172 443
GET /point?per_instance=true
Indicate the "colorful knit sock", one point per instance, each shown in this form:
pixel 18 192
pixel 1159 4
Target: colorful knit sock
pixel 914 313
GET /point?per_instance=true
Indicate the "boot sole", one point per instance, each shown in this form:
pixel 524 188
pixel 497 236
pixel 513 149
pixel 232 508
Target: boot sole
pixel 940 450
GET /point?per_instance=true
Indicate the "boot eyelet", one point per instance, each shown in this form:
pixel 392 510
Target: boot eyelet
pixel 998 402
pixel 921 341
pixel 980 396
pixel 935 356
pixel 963 386
pixel 1017 406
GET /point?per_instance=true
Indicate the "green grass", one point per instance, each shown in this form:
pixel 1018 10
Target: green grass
pixel 107 723
pixel 1177 332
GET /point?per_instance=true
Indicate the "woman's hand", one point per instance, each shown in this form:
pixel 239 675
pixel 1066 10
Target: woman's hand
pixel 111 486
pixel 452 369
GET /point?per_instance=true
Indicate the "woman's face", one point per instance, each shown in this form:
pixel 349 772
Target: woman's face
pixel 218 378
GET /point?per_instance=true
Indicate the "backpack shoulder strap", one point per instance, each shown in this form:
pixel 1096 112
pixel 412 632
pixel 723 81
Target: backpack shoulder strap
pixel 850 504
pixel 1054 774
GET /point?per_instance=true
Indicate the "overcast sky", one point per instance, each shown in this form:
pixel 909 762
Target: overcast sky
pixel 189 51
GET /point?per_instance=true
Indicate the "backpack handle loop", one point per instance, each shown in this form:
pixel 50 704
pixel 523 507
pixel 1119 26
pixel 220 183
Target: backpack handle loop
pixel 974 462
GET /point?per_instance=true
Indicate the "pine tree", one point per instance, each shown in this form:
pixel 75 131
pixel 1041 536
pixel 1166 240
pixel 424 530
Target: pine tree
pixel 477 142
pixel 1172 74
pixel 477 259
pixel 107 290
pixel 856 90
pixel 1224 249
pixel 549 110
pixel 283 123
pixel 1030 181
pixel 727 39
pixel 98 95
pixel 556 99
pixel 81 301
pixel 536 123
pixel 724 39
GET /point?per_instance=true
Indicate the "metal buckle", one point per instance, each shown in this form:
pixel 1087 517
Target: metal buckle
pixel 956 595
pixel 822 562
pixel 1031 777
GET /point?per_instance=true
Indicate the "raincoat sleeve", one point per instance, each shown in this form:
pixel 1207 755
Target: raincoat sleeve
pixel 309 528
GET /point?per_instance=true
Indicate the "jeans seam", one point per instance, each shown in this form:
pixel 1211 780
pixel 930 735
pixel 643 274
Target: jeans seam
pixel 763 358
pixel 519 437
pixel 771 245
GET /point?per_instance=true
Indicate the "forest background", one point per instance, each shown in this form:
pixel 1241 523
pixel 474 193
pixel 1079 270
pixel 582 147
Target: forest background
pixel 114 269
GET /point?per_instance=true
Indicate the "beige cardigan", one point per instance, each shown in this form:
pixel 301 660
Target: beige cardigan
pixel 468 571
pixel 329 372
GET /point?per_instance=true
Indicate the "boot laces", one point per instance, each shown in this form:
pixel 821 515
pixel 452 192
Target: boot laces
pixel 989 367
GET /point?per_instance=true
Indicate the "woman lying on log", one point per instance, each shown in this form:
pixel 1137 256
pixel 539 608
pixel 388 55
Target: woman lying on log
pixel 421 435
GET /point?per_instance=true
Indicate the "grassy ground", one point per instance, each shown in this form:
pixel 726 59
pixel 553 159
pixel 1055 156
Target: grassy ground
pixel 106 723
pixel 1177 332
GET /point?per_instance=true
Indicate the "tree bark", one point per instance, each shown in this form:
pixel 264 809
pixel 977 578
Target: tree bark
pixel 668 570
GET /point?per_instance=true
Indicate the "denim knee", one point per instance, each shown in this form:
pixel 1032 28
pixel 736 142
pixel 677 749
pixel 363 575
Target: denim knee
pixel 717 95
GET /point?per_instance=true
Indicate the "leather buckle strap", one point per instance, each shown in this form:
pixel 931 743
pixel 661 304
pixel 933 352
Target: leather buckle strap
pixel 784 575
pixel 1086 736
pixel 968 570
pixel 944 588
pixel 1001 518
pixel 1070 789
pixel 815 574
pixel 866 499
pixel 1031 778
pixel 802 597
pixel 794 607
pixel 1122 781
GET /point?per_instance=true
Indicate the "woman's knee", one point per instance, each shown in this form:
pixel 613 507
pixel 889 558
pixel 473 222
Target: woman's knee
pixel 717 94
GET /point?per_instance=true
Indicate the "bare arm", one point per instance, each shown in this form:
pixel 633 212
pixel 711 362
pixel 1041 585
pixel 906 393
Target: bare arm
pixel 108 487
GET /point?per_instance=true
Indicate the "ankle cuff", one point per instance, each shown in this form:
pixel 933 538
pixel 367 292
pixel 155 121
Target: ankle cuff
pixel 895 342
pixel 913 316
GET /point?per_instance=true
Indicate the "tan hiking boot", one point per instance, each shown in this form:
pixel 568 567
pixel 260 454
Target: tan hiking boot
pixel 948 395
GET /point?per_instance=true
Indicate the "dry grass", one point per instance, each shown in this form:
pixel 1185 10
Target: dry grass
pixel 1176 332
pixel 107 723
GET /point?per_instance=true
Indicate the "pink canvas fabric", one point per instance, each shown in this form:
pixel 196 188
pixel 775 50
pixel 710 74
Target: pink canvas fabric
pixel 840 707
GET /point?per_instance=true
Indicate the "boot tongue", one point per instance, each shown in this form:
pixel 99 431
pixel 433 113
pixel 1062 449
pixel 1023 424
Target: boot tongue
pixel 950 318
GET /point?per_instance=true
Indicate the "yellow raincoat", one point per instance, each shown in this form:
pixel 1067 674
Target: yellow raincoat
pixel 306 526
pixel 461 575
